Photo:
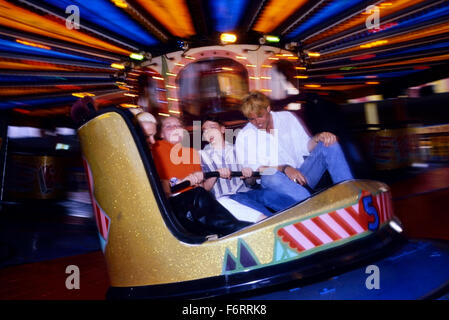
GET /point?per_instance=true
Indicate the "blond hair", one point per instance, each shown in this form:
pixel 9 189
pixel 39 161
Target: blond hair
pixel 254 102
pixel 146 117
pixel 136 111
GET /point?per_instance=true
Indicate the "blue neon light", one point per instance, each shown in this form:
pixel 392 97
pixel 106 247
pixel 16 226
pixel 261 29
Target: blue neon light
pixel 36 102
pixel 27 79
pixel 106 15
pixel 392 74
pixel 335 8
pixel 227 13
pixel 431 15
pixel 441 45
pixel 15 47
pixel 425 17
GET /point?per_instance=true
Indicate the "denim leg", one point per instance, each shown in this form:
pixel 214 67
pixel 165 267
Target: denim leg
pixel 247 199
pixel 282 184
pixel 271 198
pixel 324 158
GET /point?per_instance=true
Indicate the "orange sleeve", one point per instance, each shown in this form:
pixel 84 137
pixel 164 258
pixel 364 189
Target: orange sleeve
pixel 160 160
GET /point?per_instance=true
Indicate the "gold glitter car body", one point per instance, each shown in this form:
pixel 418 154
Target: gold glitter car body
pixel 144 248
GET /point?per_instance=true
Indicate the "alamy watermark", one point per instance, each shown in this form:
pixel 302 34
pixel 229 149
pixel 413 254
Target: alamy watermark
pixel 373 20
pixel 373 280
pixel 73 280
pixel 72 21
pixel 256 146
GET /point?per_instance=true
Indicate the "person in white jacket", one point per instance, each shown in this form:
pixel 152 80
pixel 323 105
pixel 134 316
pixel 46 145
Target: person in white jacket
pixel 278 140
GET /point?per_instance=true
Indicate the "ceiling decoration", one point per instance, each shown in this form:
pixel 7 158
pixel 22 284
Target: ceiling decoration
pixel 43 62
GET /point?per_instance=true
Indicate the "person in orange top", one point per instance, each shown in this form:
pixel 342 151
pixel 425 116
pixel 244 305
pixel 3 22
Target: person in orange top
pixel 176 163
pixel 195 207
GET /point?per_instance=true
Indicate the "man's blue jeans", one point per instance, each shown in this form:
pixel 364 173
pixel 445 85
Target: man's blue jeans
pixel 261 198
pixel 321 158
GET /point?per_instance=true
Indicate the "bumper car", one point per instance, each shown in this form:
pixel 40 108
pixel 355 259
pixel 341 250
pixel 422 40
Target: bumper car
pixel 149 254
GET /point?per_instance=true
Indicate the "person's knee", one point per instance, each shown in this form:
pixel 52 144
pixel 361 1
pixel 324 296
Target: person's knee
pixel 272 180
pixel 332 149
pixel 282 184
pixel 321 146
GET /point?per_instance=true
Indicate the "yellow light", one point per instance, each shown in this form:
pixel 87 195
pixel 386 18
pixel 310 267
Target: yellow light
pixel 284 55
pixel 372 82
pixel 301 77
pixel 300 68
pixel 129 105
pixel 373 44
pixel 254 78
pixel 174 15
pixel 172 99
pixel 313 54
pixel 273 58
pixel 163 114
pixel 265 90
pixel 120 3
pixel 226 38
pixel 265 78
pixel 275 13
pixel 130 95
pixel 190 58
pixel 367 12
pixel 171 87
pixel 179 64
pixel 312 85
pixel 241 57
pixel 227 69
pixel 385 4
pixel 171 74
pixel 157 78
pixel 117 66
pixel 251 65
pixel 266 66
pixel 174 111
pixel 83 94
pixel 136 56
pixel 272 38
pixel 32 44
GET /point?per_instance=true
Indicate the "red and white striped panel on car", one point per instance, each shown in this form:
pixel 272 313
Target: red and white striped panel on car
pixel 369 213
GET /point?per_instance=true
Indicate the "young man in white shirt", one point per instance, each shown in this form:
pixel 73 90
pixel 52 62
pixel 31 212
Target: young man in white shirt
pixel 278 140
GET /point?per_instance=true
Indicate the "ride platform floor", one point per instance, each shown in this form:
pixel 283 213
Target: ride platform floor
pixel 38 242
pixel 418 270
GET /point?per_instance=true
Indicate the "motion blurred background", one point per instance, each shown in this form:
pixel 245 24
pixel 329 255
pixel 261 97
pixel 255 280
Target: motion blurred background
pixel 376 73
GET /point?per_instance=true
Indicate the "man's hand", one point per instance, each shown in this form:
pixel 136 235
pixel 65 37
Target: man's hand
pixel 225 173
pixel 247 173
pixel 326 138
pixel 295 175
pixel 195 178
